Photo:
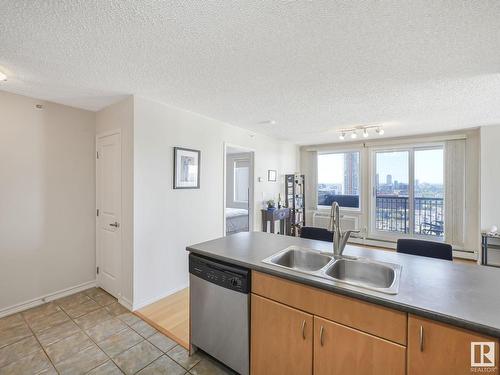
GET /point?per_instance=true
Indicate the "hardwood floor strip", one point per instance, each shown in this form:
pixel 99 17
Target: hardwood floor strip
pixel 170 316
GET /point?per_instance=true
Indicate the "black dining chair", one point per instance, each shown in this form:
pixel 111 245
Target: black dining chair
pixel 429 249
pixel 313 233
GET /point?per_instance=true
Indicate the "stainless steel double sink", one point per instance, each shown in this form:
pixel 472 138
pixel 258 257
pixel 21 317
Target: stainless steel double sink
pixel 360 272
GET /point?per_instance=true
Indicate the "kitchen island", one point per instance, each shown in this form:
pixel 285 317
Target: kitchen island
pixel 405 328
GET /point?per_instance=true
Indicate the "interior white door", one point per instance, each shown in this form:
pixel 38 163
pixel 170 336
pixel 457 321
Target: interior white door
pixel 109 197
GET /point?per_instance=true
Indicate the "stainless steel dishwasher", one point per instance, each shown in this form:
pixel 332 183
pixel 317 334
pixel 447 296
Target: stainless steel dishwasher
pixel 219 309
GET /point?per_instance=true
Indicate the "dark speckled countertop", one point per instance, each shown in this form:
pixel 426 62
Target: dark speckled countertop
pixel 464 295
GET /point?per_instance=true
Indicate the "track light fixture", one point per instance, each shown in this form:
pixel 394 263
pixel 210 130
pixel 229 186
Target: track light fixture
pixel 363 129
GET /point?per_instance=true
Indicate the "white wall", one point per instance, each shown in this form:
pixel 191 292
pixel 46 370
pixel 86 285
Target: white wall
pixel 490 178
pixel 121 116
pixel 47 198
pixel 167 220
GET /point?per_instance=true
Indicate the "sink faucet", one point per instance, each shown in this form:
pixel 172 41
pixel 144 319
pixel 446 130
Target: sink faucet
pixel 340 238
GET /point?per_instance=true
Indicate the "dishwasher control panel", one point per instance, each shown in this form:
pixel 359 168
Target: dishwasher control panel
pixel 224 275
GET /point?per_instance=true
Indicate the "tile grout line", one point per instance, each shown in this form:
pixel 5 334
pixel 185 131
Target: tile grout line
pixel 15 342
pixel 81 330
pixel 140 342
pixel 63 310
pixel 27 324
pixel 38 341
pixel 91 339
pixel 128 326
pixel 94 342
pixel 178 362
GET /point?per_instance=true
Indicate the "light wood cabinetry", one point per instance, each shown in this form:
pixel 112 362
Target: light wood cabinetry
pixel 436 348
pixel 281 339
pixel 342 350
pixel 367 317
pixel 344 335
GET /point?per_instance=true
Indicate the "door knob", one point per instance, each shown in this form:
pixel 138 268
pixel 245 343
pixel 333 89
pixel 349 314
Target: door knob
pixel 115 224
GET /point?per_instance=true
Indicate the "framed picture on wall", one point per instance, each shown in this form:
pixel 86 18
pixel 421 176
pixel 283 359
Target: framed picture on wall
pixel 271 175
pixel 186 168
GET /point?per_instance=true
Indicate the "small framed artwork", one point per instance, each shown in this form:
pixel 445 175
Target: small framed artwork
pixel 271 175
pixel 186 168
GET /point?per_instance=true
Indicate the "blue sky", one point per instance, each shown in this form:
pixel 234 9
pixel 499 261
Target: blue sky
pixel 428 166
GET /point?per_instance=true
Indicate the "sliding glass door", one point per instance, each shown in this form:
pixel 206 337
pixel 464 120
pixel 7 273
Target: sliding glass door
pixel 429 192
pixel 392 211
pixel 408 192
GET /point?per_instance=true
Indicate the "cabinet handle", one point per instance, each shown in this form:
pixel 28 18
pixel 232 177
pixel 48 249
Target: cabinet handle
pixel 321 331
pixel 421 338
pixel 304 329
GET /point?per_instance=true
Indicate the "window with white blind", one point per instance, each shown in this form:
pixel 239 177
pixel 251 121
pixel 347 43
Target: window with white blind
pixel 241 180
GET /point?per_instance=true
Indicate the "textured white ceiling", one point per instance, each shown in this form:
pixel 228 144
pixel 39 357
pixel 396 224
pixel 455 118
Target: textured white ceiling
pixel 313 66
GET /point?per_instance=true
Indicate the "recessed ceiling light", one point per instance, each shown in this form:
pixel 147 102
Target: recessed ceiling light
pixel 268 122
pixel 342 136
pixel 365 133
pixel 354 134
pixel 3 76
pixel 380 131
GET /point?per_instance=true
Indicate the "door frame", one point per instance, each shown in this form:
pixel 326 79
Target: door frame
pixel 97 200
pixel 251 188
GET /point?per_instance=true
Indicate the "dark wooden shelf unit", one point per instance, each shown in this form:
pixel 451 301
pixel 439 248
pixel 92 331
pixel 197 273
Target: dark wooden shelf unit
pixel 295 201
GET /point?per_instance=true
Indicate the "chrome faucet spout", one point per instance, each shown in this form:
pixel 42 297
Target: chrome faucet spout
pixel 340 238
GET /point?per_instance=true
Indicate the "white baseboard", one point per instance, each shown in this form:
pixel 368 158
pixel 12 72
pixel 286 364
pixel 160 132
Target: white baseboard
pixel 457 252
pixel 46 298
pixel 125 303
pixel 372 242
pixel 149 301
pixel 465 255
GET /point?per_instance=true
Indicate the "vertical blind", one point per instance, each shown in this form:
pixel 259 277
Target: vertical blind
pixel 454 170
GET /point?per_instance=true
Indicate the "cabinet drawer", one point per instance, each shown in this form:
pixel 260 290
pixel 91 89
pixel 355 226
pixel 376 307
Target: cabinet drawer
pixel 364 316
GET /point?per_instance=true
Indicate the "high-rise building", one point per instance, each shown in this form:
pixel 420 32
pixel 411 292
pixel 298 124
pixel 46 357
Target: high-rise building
pixel 351 173
pixel 388 180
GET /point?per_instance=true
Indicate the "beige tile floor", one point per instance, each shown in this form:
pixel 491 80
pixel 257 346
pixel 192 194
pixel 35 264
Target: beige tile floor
pixel 91 333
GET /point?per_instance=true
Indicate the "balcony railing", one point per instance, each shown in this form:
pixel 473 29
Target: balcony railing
pixel 392 214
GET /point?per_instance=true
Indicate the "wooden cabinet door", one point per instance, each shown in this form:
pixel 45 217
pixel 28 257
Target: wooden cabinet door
pixel 340 350
pixel 436 349
pixel 281 339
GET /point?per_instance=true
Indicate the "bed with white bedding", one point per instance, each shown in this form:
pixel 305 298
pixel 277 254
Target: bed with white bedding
pixel 236 220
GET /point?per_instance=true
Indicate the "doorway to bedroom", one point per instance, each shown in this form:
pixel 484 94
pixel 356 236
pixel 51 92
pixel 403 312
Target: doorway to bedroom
pixel 238 189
